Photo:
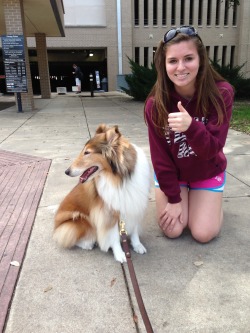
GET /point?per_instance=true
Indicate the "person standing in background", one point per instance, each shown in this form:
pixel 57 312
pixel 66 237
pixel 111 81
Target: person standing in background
pixel 78 78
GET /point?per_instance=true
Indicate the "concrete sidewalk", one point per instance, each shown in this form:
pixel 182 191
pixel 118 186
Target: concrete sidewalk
pixel 186 286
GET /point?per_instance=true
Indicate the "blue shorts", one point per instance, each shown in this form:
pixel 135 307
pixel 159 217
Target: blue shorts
pixel 78 82
pixel 214 184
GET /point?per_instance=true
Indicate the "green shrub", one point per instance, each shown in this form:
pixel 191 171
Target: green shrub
pixel 141 80
pixel 235 77
pixel 242 89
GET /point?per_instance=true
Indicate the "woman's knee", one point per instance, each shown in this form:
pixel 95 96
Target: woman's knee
pixel 173 233
pixel 204 235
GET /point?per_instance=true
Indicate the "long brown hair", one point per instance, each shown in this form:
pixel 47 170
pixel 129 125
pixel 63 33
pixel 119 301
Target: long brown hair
pixel 207 92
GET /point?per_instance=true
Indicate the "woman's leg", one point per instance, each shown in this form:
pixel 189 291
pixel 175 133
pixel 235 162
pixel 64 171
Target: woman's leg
pixel 78 84
pixel 205 214
pixel 161 202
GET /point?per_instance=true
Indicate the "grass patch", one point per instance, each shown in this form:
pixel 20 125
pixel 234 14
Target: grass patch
pixel 241 117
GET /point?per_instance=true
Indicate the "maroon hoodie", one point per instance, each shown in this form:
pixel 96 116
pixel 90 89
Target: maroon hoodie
pixel 196 154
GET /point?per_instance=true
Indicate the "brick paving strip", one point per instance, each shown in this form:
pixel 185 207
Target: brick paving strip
pixel 22 179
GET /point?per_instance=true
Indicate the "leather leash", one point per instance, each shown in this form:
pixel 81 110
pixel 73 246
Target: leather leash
pixel 126 249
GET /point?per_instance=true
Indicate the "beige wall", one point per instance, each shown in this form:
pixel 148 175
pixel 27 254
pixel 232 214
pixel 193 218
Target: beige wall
pixel 243 36
pixel 141 36
pixel 212 35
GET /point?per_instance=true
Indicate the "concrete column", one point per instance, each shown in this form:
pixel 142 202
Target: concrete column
pixel 243 47
pixel 213 11
pixel 42 58
pixel 204 14
pixel 141 63
pixel 127 34
pixel 150 13
pixel 230 17
pixel 177 13
pixel 141 13
pixel 112 67
pixel 186 12
pixel 14 22
pixel 195 14
pixel 150 56
pixel 169 16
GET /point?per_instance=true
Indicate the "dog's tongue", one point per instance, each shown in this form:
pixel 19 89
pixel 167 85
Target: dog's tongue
pixel 87 173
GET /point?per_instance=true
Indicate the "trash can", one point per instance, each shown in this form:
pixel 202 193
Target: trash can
pixel 104 83
pixel 61 90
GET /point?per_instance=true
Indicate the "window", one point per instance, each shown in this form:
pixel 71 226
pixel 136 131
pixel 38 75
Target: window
pixel 209 10
pixel 224 56
pixel 173 13
pixel 235 13
pixel 182 16
pixel 232 57
pixel 145 56
pixel 200 12
pixel 217 14
pixel 208 50
pixel 164 12
pixel 154 50
pixel 136 12
pixel 191 12
pixel 85 13
pixel 216 48
pixel 137 55
pixel 145 12
pixel 226 12
pixel 155 18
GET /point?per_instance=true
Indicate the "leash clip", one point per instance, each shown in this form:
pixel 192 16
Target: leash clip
pixel 122 228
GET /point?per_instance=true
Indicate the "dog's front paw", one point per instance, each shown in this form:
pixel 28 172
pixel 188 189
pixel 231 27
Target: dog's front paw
pixel 120 257
pixel 139 248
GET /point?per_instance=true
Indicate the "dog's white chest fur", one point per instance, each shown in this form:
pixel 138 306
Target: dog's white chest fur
pixel 130 199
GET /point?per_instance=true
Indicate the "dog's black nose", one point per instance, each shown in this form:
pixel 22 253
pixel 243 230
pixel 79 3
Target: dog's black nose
pixel 67 172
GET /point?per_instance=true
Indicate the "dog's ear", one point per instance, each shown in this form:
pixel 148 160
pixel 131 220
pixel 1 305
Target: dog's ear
pixel 113 134
pixel 102 128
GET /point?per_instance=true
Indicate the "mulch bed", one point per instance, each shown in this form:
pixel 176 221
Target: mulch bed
pixel 5 105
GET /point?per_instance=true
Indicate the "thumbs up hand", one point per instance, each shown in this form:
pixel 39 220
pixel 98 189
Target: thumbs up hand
pixel 179 121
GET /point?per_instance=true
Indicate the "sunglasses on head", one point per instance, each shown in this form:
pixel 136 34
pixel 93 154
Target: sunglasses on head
pixel 172 33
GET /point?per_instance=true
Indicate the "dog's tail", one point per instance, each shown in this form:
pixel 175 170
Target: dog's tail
pixel 70 228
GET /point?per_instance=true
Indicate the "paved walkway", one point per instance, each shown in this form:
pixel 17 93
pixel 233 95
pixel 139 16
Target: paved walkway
pixel 186 286
pixel 22 179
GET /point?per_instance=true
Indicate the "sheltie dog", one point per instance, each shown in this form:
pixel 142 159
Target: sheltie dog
pixel 114 185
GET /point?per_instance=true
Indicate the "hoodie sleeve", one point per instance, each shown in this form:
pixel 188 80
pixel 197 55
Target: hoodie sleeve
pixel 208 140
pixel 163 164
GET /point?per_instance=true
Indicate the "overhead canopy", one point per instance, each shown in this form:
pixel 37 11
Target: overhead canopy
pixel 41 16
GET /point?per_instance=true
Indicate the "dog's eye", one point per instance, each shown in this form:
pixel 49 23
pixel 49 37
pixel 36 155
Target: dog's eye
pixel 86 152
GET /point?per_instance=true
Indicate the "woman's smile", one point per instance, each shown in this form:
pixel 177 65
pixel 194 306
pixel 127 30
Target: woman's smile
pixel 182 66
pixel 182 76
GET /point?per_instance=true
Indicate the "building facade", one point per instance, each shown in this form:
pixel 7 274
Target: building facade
pixel 100 35
pixel 20 19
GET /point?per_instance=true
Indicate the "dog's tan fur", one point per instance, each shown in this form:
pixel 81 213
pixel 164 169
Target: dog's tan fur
pixel 87 214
